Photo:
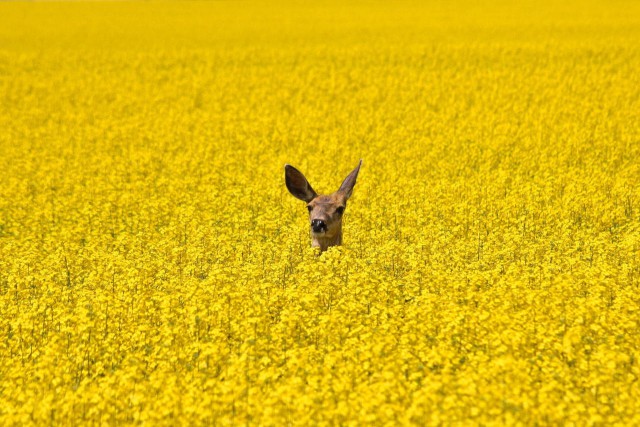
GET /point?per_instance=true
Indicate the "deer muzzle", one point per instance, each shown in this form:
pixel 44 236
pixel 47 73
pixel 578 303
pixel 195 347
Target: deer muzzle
pixel 318 226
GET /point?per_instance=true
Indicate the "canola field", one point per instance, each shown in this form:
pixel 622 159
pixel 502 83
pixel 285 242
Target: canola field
pixel 154 269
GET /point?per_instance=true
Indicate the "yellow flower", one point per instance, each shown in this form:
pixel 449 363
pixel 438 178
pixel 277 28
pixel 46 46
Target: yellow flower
pixel 154 269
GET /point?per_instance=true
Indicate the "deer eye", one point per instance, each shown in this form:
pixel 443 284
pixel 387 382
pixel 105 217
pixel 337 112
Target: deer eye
pixel 309 208
pixel 340 210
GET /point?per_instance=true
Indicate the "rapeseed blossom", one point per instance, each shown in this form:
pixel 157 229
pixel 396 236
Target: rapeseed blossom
pixel 154 268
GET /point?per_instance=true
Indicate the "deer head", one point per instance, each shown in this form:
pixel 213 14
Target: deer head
pixel 325 212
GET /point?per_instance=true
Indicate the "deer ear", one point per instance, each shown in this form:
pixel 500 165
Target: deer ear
pixel 298 185
pixel 347 185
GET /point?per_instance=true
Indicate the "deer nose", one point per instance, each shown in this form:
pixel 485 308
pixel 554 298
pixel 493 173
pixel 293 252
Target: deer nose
pixel 318 225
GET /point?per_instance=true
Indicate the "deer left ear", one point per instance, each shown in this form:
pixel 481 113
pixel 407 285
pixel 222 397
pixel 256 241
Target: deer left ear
pixel 298 185
pixel 349 182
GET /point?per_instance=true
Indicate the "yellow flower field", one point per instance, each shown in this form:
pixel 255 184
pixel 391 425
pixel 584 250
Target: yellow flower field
pixel 155 270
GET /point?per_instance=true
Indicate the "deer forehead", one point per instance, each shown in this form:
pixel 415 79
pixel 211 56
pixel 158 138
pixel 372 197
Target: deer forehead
pixel 327 201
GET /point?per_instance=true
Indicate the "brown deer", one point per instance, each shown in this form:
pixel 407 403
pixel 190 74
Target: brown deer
pixel 325 212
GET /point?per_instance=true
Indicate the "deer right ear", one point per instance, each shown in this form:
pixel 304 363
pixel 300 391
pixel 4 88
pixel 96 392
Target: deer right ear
pixel 298 185
pixel 347 185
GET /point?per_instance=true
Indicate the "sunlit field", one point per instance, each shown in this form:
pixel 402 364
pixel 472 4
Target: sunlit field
pixel 155 270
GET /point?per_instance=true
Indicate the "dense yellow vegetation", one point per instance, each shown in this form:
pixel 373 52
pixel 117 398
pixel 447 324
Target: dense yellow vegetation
pixel 154 268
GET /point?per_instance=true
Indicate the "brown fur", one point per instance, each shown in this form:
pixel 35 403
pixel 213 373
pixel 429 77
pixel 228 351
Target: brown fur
pixel 325 208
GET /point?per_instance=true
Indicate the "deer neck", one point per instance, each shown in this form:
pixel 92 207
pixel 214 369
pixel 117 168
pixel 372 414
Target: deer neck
pixel 323 242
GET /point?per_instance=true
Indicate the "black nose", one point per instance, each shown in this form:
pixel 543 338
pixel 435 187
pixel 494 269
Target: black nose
pixel 318 225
